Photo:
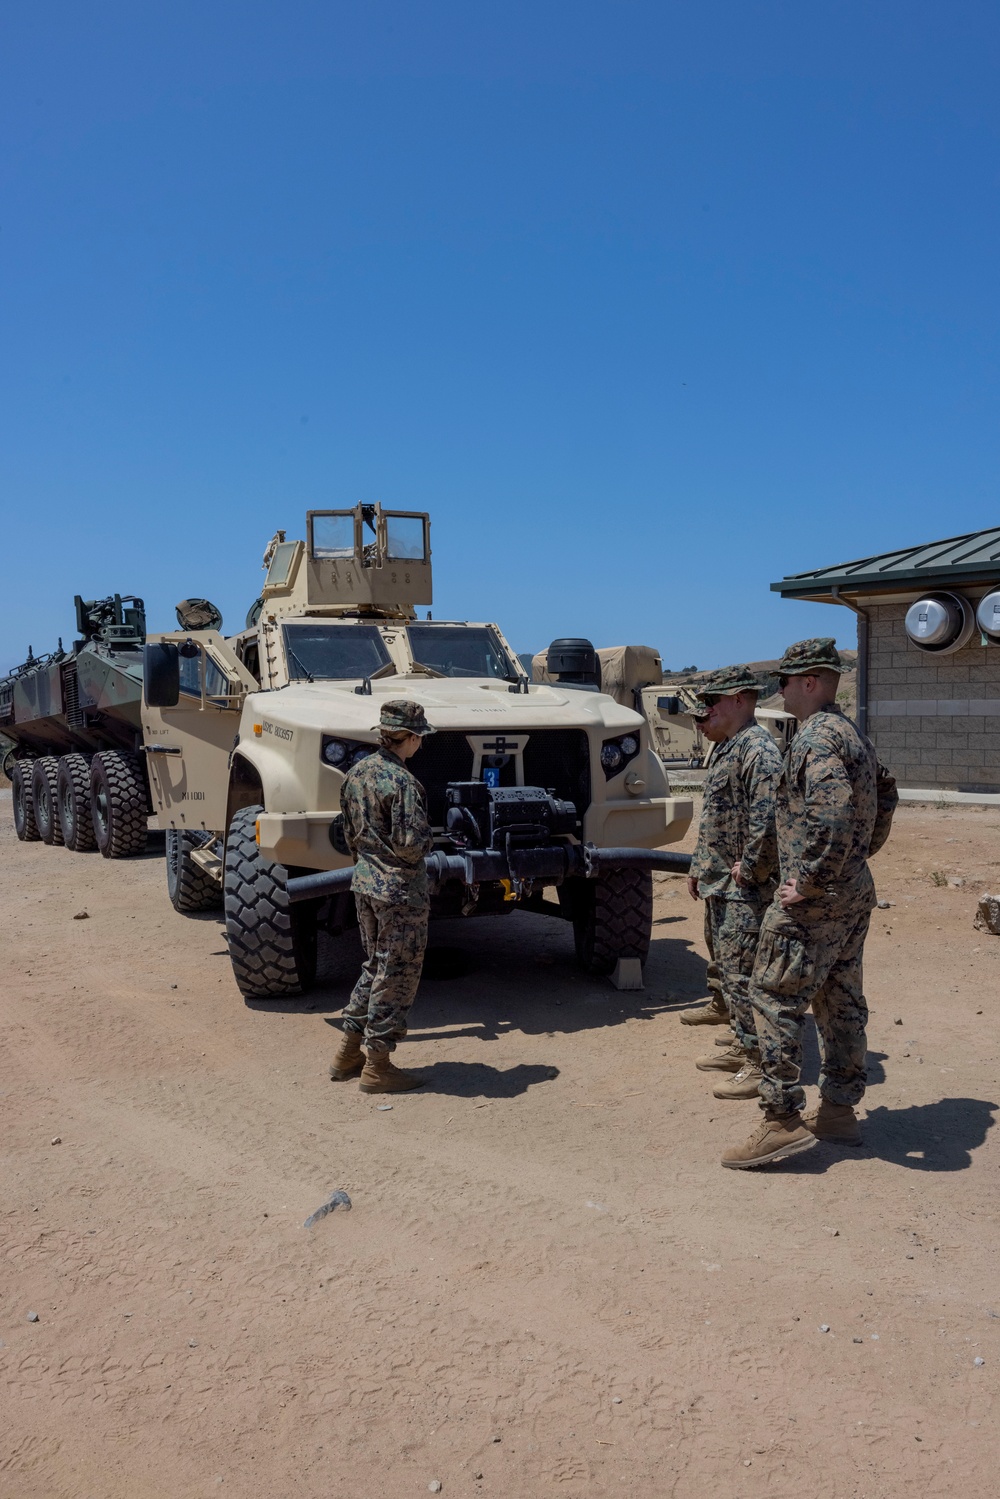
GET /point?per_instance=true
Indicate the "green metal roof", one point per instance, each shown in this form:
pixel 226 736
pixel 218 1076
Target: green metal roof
pixel 961 559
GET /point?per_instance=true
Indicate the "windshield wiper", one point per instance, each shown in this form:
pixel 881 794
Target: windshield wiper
pixel 299 663
pixel 428 671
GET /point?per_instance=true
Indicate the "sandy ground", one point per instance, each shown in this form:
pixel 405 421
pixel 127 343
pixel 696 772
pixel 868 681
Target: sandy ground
pixel 547 1285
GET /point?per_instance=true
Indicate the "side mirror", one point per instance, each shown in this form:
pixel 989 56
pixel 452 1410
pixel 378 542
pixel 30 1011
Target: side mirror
pixel 161 674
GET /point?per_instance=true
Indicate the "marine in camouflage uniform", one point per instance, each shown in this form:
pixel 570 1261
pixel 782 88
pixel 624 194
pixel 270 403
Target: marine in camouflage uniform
pixel 736 829
pixel 834 807
pixel 388 834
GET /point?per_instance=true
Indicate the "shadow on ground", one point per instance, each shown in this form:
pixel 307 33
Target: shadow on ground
pixel 923 1137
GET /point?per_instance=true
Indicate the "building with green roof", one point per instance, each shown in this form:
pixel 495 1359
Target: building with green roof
pixel 928 656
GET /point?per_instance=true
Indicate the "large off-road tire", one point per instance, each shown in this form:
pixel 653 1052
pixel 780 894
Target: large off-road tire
pixel 44 776
pixel 24 803
pixel 272 945
pixel 190 887
pixel 613 918
pixel 73 803
pixel 118 804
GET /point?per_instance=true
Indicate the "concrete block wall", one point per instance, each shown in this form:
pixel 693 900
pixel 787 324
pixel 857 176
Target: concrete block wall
pixel 935 720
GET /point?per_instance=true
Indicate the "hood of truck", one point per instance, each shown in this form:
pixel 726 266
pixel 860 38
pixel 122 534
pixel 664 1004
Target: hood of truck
pixel 449 703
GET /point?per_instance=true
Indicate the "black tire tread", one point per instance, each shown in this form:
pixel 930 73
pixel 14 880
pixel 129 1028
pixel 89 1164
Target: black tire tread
pixel 75 768
pixel 269 945
pixel 46 769
pixel 194 888
pixel 126 803
pixel 618 920
pixel 26 827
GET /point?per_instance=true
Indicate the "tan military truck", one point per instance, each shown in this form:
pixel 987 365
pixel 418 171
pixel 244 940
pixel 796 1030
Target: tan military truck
pixel 542 797
pixel 633 676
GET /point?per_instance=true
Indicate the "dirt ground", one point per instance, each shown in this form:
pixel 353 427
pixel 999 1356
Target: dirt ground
pixel 546 1285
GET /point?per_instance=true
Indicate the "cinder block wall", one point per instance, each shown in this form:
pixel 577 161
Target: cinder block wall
pixel 935 721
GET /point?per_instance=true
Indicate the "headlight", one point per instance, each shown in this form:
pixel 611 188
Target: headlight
pixel 616 753
pixel 341 754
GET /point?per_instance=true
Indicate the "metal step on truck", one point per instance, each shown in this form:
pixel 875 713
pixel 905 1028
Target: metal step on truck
pixel 545 798
pixel 77 773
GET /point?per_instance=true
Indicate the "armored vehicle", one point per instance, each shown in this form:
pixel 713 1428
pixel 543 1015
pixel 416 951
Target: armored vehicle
pixel 542 797
pixel 77 773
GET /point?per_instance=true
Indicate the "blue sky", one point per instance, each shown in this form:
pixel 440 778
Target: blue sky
pixel 648 303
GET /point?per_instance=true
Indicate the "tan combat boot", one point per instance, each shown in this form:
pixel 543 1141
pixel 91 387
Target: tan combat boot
pixel 349 1059
pixel 772 1140
pixel 836 1122
pixel 730 1060
pixel 714 1013
pixel 745 1084
pixel 380 1076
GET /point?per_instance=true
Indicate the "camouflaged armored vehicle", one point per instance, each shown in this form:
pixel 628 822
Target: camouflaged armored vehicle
pixel 544 798
pixel 77 772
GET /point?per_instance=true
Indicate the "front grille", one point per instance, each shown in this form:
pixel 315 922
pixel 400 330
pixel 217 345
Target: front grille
pixel 559 761
pixel 71 697
pixel 555 759
pixel 443 757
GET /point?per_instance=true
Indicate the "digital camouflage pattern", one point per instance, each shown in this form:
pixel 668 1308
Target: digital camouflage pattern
pixel 394 938
pixel 737 822
pixel 727 681
pixel 732 928
pixel 834 806
pixel 737 818
pixel 806 656
pixel 386 828
pixel 403 715
pixel 819 965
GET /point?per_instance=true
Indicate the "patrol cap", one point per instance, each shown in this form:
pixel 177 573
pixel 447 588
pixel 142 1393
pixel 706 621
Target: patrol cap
pixel 726 681
pixel 807 656
pixel 402 716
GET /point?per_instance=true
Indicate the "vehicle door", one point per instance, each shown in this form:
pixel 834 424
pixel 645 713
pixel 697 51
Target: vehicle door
pixel 188 745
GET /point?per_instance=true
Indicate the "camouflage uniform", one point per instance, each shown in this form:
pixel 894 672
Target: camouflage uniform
pixel 737 823
pixel 387 832
pixel 834 807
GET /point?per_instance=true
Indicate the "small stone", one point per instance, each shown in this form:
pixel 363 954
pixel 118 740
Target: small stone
pixel 884 905
pixel 857 1340
pixel 56 1139
pixel 909 1256
pixel 383 1108
pixel 434 1486
pixel 617 1400
pixel 824 1327
pixel 173 986
pixel 874 1337
pixel 977 1363
pixel 82 916
pixel 477 1475
pixel 32 1316
pixel 498 1439
pixel 192 1342
pixel 833 1232
pixel 898 1021
pixel 955 881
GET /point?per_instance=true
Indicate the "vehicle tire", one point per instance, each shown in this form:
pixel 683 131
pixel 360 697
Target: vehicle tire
pixel 272 944
pixel 24 803
pixel 190 887
pixel 613 918
pixel 118 804
pixel 44 777
pixel 73 803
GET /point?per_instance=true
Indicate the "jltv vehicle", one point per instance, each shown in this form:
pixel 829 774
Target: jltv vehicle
pixel 544 798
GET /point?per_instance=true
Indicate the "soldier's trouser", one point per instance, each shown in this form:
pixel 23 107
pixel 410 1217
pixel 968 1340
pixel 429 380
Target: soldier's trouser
pixel 798 966
pixel 731 931
pixel 394 938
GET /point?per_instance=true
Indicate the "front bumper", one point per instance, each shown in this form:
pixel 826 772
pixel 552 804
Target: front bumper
pixel 547 862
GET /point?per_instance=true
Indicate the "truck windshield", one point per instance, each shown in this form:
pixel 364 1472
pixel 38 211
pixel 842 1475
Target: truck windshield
pixel 333 652
pixel 461 651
